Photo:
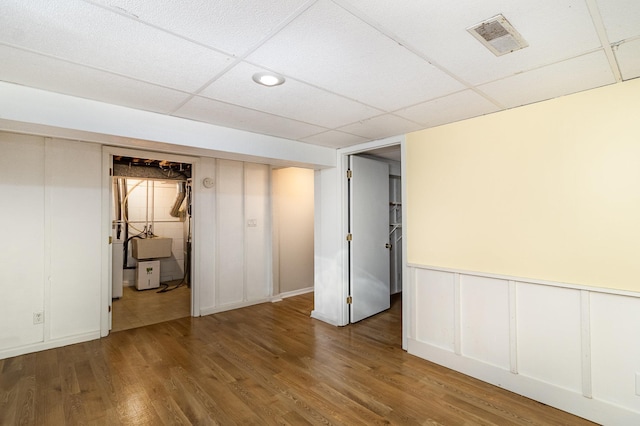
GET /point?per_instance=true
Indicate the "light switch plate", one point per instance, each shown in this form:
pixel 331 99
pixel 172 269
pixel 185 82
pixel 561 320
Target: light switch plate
pixel 638 384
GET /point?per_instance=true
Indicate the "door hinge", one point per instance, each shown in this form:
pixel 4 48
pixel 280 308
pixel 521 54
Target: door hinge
pixel 349 300
pixel 349 237
pixel 349 174
pixel 110 171
pixel 110 239
pixel 109 308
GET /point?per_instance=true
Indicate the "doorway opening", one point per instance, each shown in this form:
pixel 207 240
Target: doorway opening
pixel 292 194
pixel 368 283
pixel 151 231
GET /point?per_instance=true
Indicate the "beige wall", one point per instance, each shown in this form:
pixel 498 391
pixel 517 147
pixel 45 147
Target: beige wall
pixel 293 229
pixel 549 191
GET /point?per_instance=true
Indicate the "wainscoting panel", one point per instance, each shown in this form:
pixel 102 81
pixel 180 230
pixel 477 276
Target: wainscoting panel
pixel 549 338
pixel 435 292
pixel 615 349
pixel 573 347
pixel 484 319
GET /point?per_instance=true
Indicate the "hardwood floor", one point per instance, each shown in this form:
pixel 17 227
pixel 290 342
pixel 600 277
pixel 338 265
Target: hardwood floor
pixel 139 308
pixel 266 364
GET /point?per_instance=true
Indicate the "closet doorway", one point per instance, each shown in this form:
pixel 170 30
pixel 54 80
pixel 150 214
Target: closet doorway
pixel 151 235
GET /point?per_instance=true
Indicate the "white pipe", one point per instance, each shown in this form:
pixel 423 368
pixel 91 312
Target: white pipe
pixel 153 203
pixel 124 212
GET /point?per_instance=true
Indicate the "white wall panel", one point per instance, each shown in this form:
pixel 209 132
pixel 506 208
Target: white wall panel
pixel 435 303
pixel 73 173
pixel 204 229
pixel 484 318
pixel 615 339
pixel 230 226
pixel 257 231
pixel 549 334
pixel 23 249
pixel 572 347
pixel 328 249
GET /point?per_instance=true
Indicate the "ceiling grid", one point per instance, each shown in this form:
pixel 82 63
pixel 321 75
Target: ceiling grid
pixel 355 70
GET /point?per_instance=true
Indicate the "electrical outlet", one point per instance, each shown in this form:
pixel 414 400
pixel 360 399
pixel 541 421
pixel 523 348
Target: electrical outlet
pixel 252 223
pixel 38 317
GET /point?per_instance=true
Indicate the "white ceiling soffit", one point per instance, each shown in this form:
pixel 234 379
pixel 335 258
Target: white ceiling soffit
pixel 355 70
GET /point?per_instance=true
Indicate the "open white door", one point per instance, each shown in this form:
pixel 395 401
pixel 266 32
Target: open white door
pixel 369 229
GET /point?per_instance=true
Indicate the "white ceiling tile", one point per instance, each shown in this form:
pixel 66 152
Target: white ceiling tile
pixel 75 31
pixel 330 48
pixel 231 26
pixel 621 18
pixel 221 114
pixel 459 106
pixel 381 127
pixel 554 29
pixel 334 139
pixel 571 76
pixel 347 62
pixel 292 99
pixel 51 74
pixel 628 58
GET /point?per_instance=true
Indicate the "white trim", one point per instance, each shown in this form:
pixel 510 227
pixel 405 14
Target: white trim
pixel 547 393
pixel 105 280
pixel 105 298
pixel 407 297
pixel 342 165
pixel 232 306
pixel 585 321
pixel 527 280
pixel 287 294
pixel 457 316
pixel 513 328
pixel 216 242
pixel 50 344
pixel 245 236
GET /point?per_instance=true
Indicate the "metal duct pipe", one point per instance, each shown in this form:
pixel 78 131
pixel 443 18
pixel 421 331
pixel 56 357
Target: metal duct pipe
pixel 182 192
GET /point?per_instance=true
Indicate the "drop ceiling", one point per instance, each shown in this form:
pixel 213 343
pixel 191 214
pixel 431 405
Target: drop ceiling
pixel 356 70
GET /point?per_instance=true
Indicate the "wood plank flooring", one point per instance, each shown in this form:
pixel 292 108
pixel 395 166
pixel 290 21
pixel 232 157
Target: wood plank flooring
pixel 262 365
pixel 139 308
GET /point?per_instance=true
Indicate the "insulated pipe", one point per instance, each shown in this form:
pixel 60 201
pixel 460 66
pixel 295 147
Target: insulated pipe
pixel 182 192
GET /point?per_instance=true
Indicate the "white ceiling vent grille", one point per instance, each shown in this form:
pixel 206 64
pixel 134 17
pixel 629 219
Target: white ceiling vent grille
pixel 498 35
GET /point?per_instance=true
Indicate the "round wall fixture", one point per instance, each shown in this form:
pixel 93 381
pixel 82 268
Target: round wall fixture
pixel 208 182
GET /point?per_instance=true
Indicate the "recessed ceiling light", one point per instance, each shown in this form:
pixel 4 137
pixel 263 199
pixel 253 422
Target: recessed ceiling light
pixel 498 35
pixel 268 79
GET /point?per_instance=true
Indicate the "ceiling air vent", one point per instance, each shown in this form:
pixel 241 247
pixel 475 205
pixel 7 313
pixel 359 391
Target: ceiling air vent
pixel 498 35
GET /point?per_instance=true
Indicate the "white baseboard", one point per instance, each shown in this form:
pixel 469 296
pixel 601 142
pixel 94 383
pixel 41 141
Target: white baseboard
pixel 319 316
pixel 572 402
pixel 279 297
pixel 50 344
pixel 231 306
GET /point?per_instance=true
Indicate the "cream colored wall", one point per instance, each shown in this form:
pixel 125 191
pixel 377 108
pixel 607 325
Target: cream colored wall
pixel 293 204
pixel 549 191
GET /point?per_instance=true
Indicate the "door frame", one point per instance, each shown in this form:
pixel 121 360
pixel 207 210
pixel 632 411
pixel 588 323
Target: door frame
pixel 106 285
pixel 342 166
